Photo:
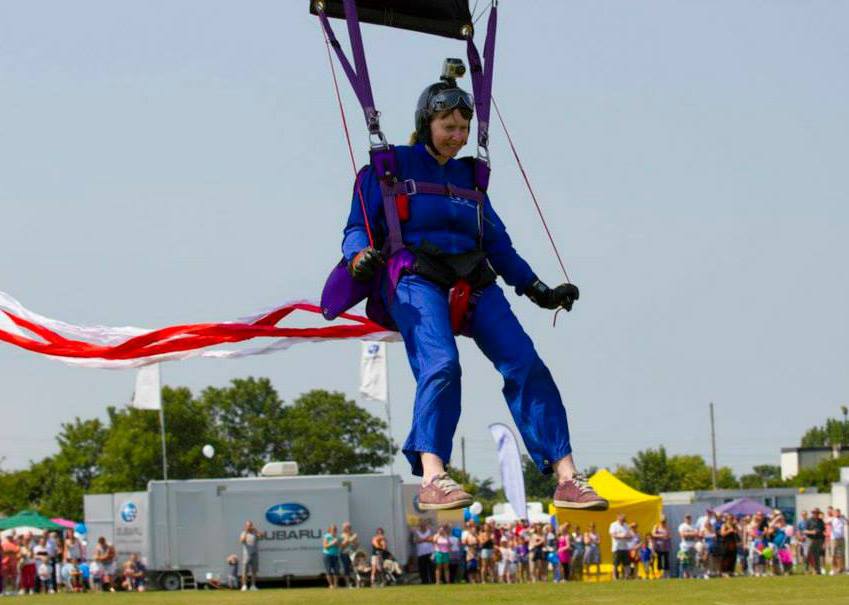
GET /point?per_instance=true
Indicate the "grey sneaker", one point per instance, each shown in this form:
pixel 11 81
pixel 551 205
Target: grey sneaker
pixel 576 493
pixel 443 493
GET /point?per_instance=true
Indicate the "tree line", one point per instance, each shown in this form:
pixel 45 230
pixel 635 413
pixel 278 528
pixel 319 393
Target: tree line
pixel 249 425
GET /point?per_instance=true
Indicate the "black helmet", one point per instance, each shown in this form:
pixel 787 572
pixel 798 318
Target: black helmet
pixel 439 97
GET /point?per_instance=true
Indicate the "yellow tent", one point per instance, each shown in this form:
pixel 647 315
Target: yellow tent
pixel 636 506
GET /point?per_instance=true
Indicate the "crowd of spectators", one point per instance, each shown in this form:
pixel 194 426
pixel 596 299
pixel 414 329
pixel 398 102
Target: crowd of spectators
pixel 713 546
pixel 54 562
pixel 762 544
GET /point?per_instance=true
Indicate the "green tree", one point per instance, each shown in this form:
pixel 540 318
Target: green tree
pixel 833 433
pixel 132 451
pixel 45 487
pixel 537 485
pixel 80 446
pixel 822 475
pixel 248 420
pixel 762 475
pixel 653 471
pixel 328 434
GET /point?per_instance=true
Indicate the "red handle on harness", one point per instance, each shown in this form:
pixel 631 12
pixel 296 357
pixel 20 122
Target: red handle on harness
pixel 402 204
pixel 458 304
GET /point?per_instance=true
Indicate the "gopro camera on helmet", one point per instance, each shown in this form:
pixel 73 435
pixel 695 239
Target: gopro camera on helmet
pixel 452 69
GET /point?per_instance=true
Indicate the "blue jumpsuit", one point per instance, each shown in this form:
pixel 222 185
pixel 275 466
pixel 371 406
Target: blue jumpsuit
pixel 421 312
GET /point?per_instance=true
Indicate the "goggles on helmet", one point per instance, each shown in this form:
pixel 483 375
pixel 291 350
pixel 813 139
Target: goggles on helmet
pixel 451 98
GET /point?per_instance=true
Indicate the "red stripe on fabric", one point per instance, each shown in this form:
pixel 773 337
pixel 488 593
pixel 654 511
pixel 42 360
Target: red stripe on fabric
pixel 187 337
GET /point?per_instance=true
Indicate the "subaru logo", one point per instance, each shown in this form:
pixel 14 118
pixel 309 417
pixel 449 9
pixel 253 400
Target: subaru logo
pixel 129 512
pixel 290 513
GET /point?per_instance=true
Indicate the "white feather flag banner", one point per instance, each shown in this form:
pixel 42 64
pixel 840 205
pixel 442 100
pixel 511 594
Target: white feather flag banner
pixel 373 380
pixel 148 393
pixel 510 460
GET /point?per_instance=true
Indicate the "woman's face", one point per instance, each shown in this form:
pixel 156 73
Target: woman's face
pixel 449 132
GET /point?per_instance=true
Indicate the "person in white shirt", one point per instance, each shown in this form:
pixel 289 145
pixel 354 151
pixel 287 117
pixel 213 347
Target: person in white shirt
pixel 687 548
pixel 423 538
pixel 620 538
pixel 838 541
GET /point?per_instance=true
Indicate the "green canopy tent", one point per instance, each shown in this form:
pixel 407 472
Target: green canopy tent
pixel 28 518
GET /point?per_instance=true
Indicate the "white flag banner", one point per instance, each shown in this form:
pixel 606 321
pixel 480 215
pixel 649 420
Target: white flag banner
pixel 512 477
pixel 148 394
pixel 373 382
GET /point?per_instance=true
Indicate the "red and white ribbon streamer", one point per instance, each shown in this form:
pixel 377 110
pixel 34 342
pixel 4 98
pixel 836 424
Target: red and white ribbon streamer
pixel 128 347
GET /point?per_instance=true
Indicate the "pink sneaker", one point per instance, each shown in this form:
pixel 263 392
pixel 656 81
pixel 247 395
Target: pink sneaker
pixel 443 493
pixel 576 493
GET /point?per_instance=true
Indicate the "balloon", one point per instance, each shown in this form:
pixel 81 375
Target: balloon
pixel 476 508
pixel 467 514
pixel 476 519
pixel 208 451
pixel 81 528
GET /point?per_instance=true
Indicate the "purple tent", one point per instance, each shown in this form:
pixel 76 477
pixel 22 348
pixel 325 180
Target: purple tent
pixel 741 507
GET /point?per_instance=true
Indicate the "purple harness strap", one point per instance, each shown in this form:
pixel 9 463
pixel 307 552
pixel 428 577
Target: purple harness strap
pixel 411 187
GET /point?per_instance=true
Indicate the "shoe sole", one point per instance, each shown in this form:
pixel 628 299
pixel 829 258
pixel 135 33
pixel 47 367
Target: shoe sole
pixel 593 506
pixel 445 506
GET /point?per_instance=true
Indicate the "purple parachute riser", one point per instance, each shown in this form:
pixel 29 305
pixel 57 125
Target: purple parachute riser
pixel 358 73
pixel 482 75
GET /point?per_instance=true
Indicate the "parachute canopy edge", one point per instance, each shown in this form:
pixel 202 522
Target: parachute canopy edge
pixel 447 18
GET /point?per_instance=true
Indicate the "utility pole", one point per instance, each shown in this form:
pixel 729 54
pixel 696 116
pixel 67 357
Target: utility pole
pixel 463 452
pixel 713 446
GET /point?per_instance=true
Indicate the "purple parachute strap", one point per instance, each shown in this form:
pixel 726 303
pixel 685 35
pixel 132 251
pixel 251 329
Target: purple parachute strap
pixel 358 73
pixel 482 74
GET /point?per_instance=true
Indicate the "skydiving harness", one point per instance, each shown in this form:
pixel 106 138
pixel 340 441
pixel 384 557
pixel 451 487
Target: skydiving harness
pixel 396 192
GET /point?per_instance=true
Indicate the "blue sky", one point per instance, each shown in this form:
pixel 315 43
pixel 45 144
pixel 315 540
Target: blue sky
pixel 166 162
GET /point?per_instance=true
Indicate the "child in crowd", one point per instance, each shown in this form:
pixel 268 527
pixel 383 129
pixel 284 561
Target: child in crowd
pixel 233 572
pixel 523 573
pixel 505 574
pixel 646 556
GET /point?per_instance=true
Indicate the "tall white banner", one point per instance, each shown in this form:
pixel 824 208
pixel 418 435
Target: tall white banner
pixel 148 394
pixel 512 477
pixel 373 382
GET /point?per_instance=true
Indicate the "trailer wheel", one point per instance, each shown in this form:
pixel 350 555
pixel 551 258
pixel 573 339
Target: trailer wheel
pixel 170 581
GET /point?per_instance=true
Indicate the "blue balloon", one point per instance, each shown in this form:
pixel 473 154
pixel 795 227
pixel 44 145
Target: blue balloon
pixel 467 514
pixel 477 519
pixel 81 528
pixel 456 532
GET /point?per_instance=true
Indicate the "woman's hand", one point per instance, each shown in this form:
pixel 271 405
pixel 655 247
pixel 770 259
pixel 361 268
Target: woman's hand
pixel 364 265
pixel 563 296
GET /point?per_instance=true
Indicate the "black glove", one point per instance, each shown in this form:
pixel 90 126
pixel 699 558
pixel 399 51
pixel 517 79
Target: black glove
pixel 364 265
pixel 563 295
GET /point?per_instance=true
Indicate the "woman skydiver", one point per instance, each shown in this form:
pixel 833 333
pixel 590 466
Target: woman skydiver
pixel 459 241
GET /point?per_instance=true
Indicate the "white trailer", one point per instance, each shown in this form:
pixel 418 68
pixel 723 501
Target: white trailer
pixel 185 530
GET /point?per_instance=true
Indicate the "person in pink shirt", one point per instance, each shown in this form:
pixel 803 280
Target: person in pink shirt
pixel 564 551
pixel 9 566
pixel 442 555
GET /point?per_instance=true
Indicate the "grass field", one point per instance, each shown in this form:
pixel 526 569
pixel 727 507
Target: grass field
pixel 792 590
